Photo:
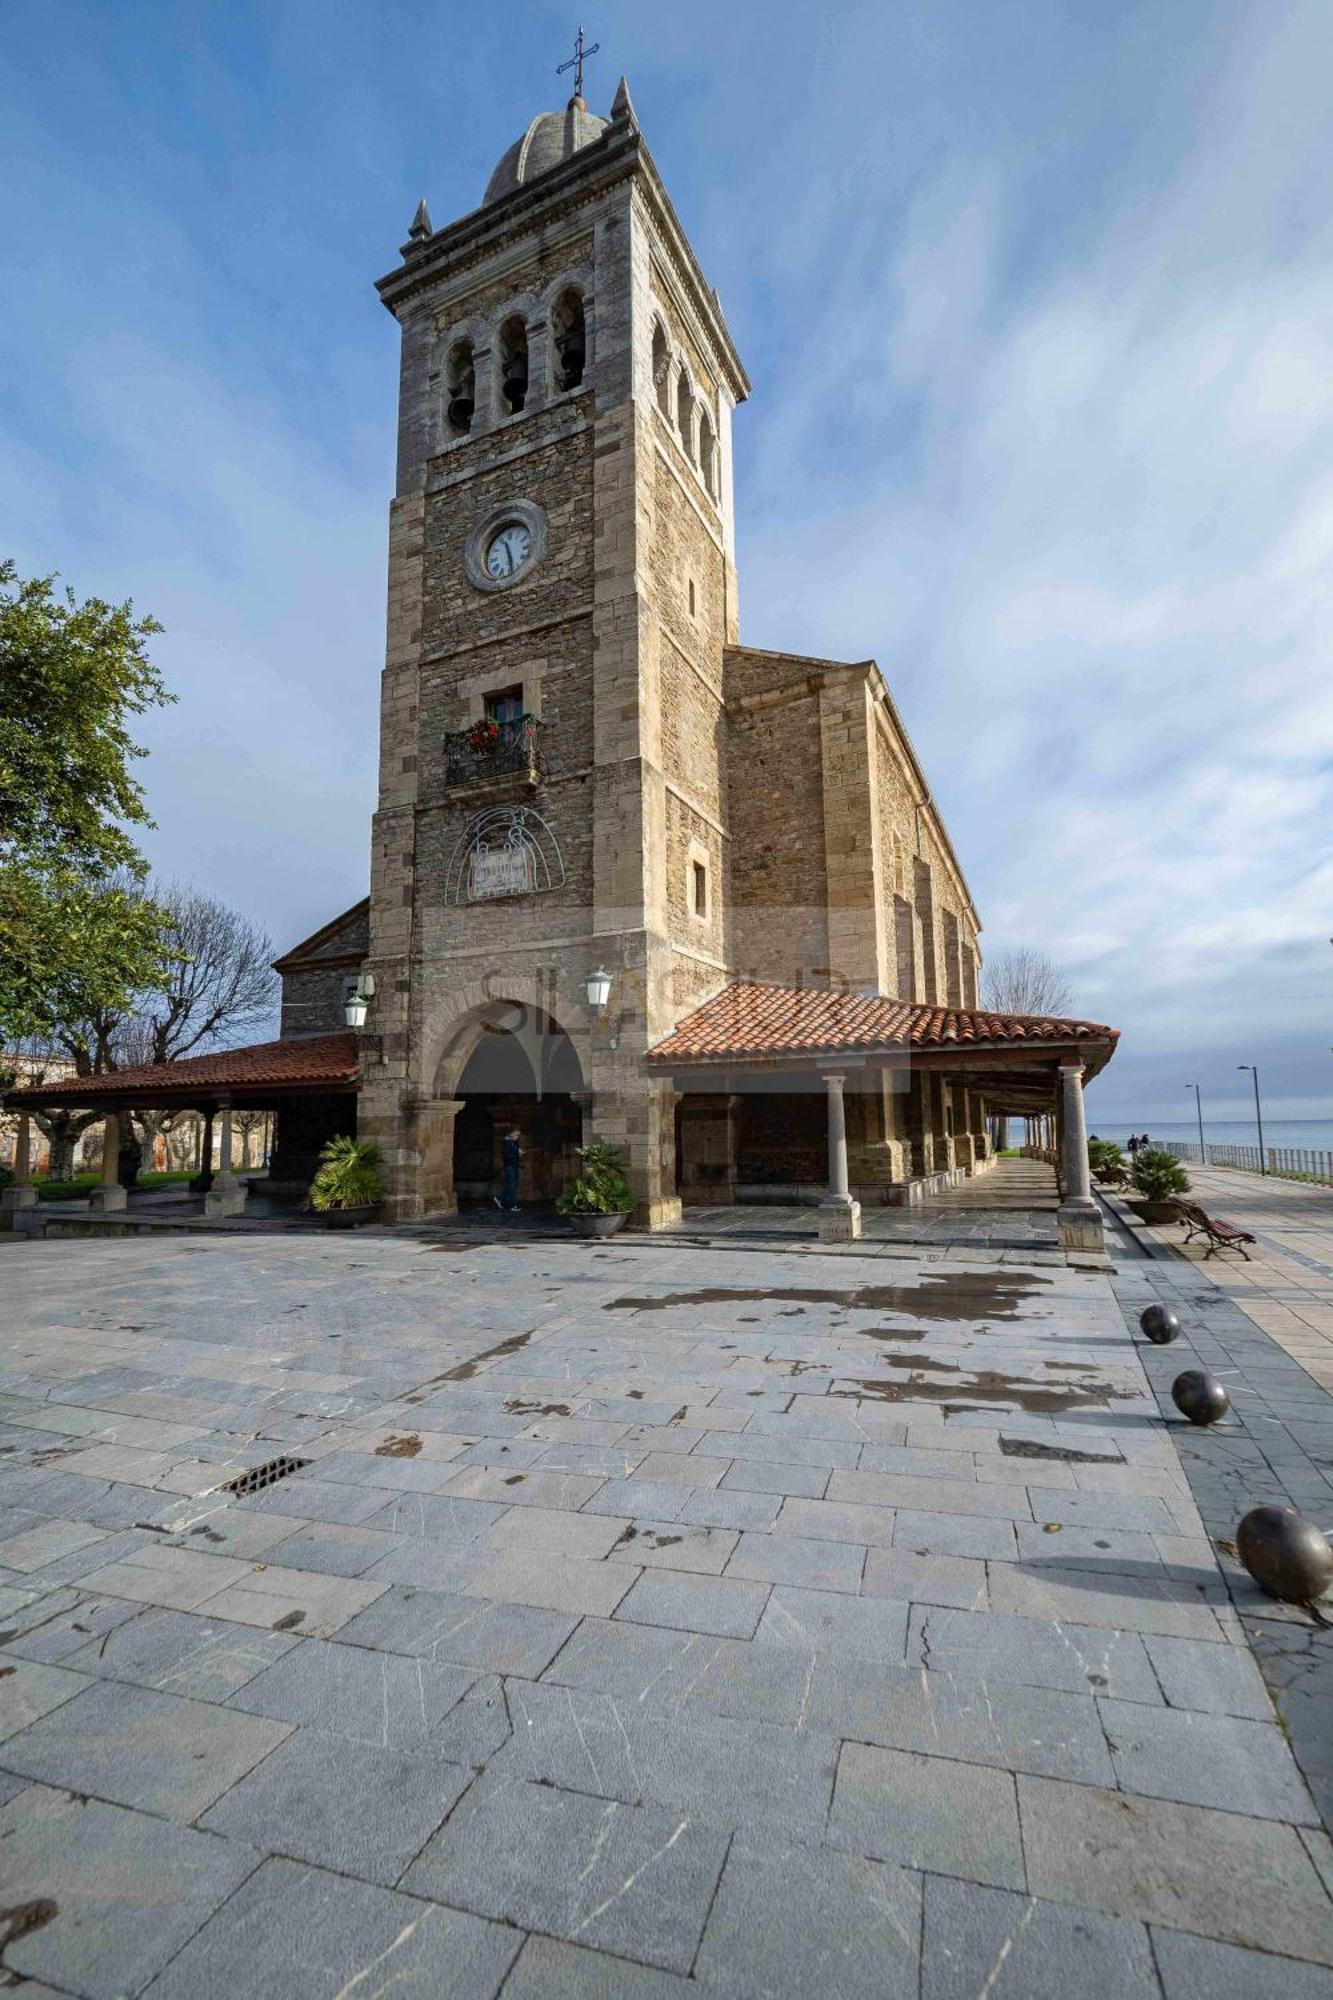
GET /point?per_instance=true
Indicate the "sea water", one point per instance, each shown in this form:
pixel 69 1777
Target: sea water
pixel 1314 1134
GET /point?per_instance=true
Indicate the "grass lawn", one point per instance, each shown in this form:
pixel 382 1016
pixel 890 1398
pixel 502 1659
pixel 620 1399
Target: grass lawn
pixel 81 1183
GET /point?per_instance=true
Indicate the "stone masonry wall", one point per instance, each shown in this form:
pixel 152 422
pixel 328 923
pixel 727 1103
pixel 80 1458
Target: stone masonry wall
pixel 313 987
pixel 779 889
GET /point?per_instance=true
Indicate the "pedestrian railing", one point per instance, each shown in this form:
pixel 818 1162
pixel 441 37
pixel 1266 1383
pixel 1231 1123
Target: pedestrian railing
pixel 1294 1163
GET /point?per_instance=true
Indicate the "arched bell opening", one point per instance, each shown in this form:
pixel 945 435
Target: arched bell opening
pixel 460 401
pixel 509 1066
pixel 514 364
pixel 569 340
pixel 685 414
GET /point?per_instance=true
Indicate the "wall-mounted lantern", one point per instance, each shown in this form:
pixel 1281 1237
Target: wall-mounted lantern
pixel 357 1004
pixel 597 989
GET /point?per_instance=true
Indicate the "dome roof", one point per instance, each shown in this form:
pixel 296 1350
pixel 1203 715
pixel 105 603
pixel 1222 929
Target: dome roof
pixel 553 136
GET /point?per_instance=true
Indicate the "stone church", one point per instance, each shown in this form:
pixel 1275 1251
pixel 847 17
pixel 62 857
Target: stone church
pixel 630 878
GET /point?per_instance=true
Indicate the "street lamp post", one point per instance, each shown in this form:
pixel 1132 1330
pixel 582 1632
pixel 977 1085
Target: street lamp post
pixel 1258 1113
pixel 1198 1108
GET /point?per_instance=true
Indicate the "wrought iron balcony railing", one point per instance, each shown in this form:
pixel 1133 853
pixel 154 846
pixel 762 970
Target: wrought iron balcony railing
pixel 494 750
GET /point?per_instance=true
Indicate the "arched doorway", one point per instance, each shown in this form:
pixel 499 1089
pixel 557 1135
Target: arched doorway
pixel 515 1066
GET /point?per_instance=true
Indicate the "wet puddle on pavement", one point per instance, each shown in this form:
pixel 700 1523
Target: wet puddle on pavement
pixel 957 1295
pixel 987 1386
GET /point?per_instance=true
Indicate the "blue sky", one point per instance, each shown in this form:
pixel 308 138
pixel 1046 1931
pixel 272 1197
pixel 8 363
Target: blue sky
pixel 1037 302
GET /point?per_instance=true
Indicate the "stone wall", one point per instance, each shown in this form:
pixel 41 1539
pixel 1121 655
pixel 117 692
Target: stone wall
pixel 778 879
pixel 315 974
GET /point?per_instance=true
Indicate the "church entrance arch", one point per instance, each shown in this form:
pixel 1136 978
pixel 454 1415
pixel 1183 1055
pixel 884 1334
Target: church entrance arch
pixel 512 1064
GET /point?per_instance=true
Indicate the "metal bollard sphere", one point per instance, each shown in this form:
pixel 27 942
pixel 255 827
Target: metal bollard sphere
pixel 1200 1397
pixel 1159 1323
pixel 1287 1555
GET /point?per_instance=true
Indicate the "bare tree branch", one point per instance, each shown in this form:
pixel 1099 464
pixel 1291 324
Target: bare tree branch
pixel 221 981
pixel 1024 982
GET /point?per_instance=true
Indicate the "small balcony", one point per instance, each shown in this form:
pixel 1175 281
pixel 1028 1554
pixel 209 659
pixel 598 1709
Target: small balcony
pixel 494 758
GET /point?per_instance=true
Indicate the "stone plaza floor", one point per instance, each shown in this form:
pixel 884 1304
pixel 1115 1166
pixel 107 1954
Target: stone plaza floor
pixel 1286 1286
pixel 644 1620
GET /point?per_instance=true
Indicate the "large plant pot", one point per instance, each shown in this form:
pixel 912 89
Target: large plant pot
pixel 598 1225
pixel 1156 1211
pixel 349 1218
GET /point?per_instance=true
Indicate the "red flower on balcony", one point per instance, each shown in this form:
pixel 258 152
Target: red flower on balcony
pixel 484 736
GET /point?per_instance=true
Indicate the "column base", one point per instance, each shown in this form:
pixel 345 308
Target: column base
pixel 223 1200
pixel 18 1197
pixel 839 1219
pixel 1080 1220
pixel 106 1200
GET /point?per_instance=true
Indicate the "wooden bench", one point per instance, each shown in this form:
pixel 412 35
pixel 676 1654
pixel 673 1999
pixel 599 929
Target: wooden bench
pixel 1113 1177
pixel 1220 1235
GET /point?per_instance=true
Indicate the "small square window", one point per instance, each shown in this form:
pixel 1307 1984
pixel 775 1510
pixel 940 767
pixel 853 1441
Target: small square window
pixel 506 705
pixel 699 878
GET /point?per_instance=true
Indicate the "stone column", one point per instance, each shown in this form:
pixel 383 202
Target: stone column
pixel 432 1128
pixel 203 1180
pixel 964 1142
pixel 1080 1215
pixel 21 1193
pixel 731 1130
pixel 110 1196
pixel 540 362
pixel 839 1215
pixel 226 1196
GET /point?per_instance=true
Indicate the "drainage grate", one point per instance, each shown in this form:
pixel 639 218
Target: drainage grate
pixel 260 1476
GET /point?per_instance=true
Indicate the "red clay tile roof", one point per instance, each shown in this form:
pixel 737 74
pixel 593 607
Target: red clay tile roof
pixel 751 1021
pixel 301 1062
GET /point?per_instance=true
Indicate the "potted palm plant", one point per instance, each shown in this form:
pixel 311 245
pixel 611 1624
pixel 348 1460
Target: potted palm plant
pixel 599 1201
pixel 1107 1163
pixel 348 1187
pixel 1158 1175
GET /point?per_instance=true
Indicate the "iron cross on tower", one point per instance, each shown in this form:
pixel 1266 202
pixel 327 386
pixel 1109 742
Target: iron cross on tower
pixel 581 49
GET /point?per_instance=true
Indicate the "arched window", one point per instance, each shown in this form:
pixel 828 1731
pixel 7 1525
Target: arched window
pixel 708 452
pixel 685 413
pixel 662 369
pixel 514 364
pixel 460 388
pixel 569 340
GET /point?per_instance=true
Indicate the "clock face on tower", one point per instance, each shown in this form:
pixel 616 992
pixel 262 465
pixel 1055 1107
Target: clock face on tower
pixel 505 545
pixel 507 551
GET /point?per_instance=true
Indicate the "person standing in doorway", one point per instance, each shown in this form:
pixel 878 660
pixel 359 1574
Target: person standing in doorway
pixel 511 1166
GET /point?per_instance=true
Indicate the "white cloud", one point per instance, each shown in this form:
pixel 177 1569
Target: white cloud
pixel 1099 573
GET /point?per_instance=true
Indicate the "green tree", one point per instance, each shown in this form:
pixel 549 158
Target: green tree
pixel 78 938
pixel 71 677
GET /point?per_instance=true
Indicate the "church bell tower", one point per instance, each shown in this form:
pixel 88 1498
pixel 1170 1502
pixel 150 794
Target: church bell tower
pixel 552 793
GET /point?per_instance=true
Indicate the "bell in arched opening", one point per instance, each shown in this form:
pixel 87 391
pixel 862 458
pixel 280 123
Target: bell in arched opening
pixel 460 389
pixel 570 340
pixel 662 369
pixel 514 364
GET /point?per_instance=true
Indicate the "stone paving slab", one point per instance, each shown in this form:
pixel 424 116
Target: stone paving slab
pixel 649 1622
pixel 635 1880
pixel 349 1805
pixel 788 1923
pixel 311 1935
pixel 181 1652
pixel 134 1747
pixel 928 1812
pixel 126 1890
pixel 1013 1947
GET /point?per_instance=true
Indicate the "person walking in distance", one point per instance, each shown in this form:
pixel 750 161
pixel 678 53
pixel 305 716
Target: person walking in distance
pixel 511 1166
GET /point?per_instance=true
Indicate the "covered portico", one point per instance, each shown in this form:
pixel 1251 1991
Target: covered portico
pixel 887 1099
pixel 310 1081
